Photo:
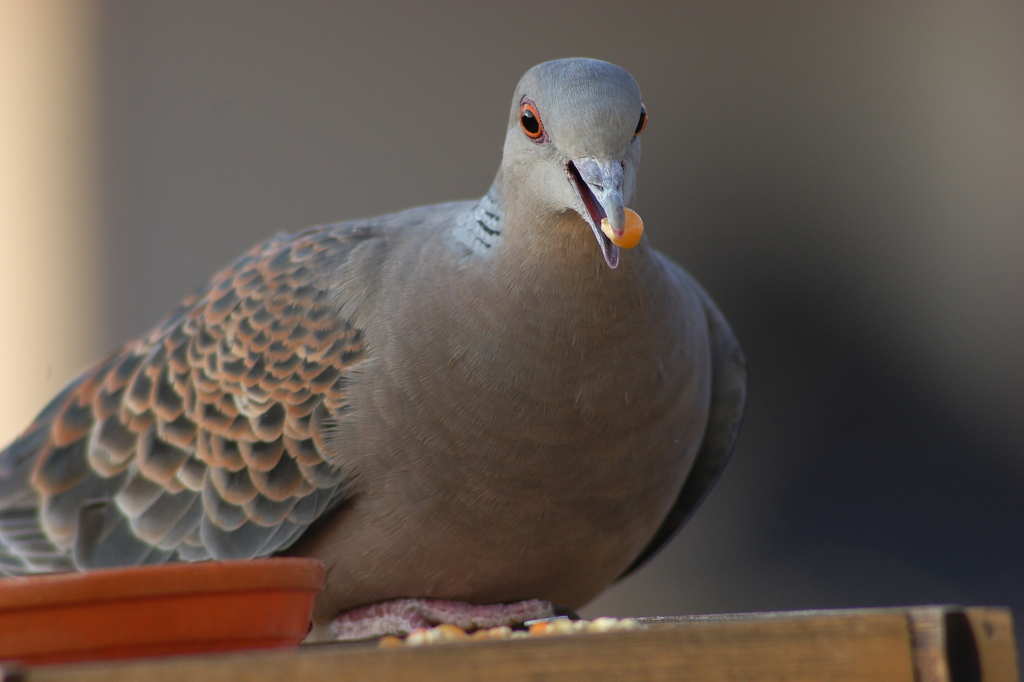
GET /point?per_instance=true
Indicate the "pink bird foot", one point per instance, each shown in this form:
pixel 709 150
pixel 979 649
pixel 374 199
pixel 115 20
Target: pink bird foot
pixel 402 616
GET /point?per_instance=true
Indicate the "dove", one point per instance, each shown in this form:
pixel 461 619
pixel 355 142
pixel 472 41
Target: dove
pixel 476 412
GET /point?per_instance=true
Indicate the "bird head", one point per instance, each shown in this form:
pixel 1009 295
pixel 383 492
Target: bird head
pixel 573 144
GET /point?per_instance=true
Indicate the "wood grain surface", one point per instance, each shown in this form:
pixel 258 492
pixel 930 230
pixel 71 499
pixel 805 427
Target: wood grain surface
pixel 920 644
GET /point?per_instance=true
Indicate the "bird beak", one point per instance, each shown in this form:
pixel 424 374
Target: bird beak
pixel 598 183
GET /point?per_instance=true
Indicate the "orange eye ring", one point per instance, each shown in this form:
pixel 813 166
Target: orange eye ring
pixel 642 123
pixel 529 121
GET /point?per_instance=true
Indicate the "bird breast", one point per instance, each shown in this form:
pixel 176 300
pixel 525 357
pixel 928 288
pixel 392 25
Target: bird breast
pixel 539 433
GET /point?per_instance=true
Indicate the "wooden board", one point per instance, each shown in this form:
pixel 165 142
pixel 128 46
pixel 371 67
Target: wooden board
pixel 921 644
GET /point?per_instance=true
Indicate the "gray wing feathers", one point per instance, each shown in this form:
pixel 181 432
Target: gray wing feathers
pixel 728 398
pixel 204 439
pixel 25 547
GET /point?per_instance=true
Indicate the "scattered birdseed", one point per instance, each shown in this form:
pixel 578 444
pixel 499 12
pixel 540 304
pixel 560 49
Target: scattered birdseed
pixel 539 628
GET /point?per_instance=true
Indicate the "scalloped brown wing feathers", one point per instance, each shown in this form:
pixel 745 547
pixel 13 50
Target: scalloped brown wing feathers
pixel 203 439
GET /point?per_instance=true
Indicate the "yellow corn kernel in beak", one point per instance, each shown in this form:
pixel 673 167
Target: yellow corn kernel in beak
pixel 631 232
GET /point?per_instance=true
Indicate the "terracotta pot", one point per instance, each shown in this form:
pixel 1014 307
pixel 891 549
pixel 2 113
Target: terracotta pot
pixel 158 610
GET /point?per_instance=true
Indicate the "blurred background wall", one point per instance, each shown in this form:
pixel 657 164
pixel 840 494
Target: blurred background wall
pixel 846 179
pixel 51 294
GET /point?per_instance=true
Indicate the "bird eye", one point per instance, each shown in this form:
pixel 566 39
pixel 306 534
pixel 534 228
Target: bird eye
pixel 642 123
pixel 529 119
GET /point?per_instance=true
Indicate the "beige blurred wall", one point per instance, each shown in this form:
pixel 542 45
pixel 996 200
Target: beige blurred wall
pixel 48 199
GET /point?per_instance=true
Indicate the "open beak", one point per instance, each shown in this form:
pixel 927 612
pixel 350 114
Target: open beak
pixel 598 183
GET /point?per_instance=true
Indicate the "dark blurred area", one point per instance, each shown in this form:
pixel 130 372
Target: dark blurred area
pixel 846 180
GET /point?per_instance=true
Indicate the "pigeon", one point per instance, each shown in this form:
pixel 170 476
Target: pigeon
pixel 476 412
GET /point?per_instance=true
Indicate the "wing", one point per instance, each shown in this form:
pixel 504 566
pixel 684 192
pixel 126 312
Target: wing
pixel 204 439
pixel 728 397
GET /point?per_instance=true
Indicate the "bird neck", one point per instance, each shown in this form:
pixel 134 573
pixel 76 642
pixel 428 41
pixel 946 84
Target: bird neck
pixel 555 252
